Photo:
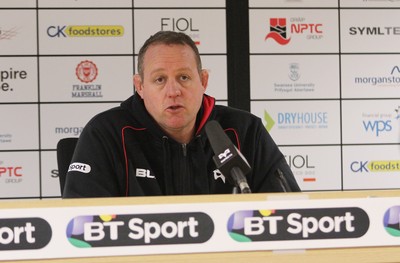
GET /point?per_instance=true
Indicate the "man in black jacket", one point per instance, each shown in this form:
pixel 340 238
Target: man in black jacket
pixel 155 143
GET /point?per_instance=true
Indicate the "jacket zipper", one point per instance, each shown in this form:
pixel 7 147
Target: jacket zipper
pixel 282 181
pixel 184 149
pixel 185 172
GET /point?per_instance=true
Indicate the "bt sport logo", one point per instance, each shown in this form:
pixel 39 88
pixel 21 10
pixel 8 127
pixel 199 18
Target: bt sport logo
pixel 298 224
pixel 139 229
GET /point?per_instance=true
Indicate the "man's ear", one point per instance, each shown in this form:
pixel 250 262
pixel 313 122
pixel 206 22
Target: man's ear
pixel 204 78
pixel 137 81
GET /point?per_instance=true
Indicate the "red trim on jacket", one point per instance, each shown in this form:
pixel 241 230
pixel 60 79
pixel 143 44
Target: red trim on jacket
pixel 236 136
pixel 208 105
pixel 125 155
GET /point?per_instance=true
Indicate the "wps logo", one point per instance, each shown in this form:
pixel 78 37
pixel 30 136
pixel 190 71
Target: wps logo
pixel 79 167
pixel 139 229
pixel 86 31
pixel 391 221
pixel 24 233
pixel 298 224
pixel 378 126
pixel 382 123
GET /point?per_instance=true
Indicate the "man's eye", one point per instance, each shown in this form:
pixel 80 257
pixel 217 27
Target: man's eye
pixel 184 77
pixel 159 80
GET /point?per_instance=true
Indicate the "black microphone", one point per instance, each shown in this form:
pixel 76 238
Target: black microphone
pixel 228 159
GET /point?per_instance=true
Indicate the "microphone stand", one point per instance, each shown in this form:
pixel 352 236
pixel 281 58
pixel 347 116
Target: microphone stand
pixel 240 182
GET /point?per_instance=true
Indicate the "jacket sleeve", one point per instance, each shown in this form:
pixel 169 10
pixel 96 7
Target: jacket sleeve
pixel 270 171
pixel 99 176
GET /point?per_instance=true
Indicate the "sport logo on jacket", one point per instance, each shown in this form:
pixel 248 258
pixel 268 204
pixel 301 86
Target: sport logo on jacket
pixel 79 167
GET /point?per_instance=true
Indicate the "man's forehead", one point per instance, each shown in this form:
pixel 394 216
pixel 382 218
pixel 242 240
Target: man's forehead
pixel 161 57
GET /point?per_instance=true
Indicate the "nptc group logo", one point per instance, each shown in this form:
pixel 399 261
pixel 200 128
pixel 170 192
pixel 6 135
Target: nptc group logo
pixel 278 31
pixel 298 26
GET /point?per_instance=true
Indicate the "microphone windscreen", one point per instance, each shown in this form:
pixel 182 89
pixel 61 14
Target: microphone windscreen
pixel 218 139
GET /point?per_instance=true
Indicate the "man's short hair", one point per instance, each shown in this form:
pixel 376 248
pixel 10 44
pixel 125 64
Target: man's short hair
pixel 168 38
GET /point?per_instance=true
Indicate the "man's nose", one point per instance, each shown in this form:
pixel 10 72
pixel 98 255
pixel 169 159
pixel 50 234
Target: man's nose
pixel 173 88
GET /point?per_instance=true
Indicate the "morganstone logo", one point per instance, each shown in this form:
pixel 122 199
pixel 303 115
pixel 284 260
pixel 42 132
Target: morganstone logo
pixel 391 79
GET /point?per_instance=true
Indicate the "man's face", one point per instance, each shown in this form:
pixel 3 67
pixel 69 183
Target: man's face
pixel 172 88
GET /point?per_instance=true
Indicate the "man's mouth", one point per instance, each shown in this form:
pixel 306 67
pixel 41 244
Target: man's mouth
pixel 174 107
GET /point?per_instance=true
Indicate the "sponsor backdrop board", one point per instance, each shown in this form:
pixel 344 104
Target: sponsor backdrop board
pixel 324 79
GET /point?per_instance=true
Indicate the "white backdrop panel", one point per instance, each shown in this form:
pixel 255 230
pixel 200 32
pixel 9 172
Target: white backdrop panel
pixel 368 4
pixel 307 31
pixel 71 31
pixel 294 76
pixel 18 79
pixel 361 80
pixel 19 174
pixel 377 34
pixel 371 167
pixel 85 3
pixel 68 122
pixel 49 175
pixel 301 122
pixel 18 36
pixel 179 3
pixel 18 3
pixel 114 80
pixel 217 82
pixel 315 167
pixel 209 34
pixel 371 121
pixel 20 126
pixel 288 3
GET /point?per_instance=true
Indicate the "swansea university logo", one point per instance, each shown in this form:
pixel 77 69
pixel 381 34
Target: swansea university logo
pixel 278 31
